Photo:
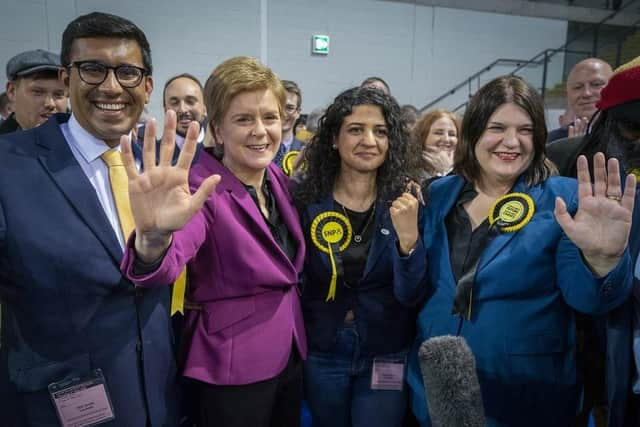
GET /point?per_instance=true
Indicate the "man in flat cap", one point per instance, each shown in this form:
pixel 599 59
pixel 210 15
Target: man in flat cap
pixel 34 89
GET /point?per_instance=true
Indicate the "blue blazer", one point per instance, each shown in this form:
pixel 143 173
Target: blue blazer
pixel 390 283
pixel 296 144
pixel 66 307
pixel 522 330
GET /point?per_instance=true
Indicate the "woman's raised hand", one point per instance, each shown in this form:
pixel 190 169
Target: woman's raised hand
pixel 161 201
pixel 600 227
pixel 404 216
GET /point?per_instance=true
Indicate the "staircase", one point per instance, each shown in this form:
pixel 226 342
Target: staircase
pixel 625 48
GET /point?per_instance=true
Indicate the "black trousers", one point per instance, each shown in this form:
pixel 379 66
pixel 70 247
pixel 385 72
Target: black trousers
pixel 271 403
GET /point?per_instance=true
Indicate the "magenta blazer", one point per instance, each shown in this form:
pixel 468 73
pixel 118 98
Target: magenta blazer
pixel 246 285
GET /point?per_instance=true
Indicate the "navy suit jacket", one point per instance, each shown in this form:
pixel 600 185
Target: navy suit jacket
pixel 66 307
pixel 296 144
pixel 522 331
pixel 390 284
pixel 558 133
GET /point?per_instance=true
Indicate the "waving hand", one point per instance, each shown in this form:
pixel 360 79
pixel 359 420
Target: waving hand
pixel 600 227
pixel 161 201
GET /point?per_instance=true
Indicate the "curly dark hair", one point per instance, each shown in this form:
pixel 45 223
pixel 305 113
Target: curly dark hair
pixel 322 162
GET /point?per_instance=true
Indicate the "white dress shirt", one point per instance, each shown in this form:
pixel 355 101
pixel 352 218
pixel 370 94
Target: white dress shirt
pixel 87 150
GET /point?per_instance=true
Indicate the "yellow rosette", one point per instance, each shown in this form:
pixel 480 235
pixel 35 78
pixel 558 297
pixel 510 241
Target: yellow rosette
pixel 289 161
pixel 511 212
pixel 331 233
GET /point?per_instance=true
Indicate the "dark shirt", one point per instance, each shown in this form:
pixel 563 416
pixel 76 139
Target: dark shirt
pixel 9 125
pixel 354 257
pixel 465 246
pixel 274 221
pixel 558 133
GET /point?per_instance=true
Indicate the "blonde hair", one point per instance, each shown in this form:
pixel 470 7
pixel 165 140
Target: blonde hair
pixel 234 76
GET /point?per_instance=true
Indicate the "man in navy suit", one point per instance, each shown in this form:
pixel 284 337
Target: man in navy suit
pixel 71 322
pixel 584 84
pixel 184 95
pixel 292 110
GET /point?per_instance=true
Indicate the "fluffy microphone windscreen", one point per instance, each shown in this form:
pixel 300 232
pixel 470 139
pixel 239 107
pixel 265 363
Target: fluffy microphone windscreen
pixel 451 383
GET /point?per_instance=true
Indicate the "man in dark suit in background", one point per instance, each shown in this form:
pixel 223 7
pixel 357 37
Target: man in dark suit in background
pixel 74 330
pixel 292 110
pixel 184 95
pixel 584 84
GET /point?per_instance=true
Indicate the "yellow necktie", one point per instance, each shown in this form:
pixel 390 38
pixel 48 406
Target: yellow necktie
pixel 120 189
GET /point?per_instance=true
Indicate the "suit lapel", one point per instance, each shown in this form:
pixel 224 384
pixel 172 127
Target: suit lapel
pixel 58 160
pixel 288 213
pixel 253 216
pixel 445 203
pixel 502 239
pixel 383 235
pixel 313 211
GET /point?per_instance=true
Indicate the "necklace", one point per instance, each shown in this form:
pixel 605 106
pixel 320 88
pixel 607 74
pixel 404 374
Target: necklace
pixel 357 237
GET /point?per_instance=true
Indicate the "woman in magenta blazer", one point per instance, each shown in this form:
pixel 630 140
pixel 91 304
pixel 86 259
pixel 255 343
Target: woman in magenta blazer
pixel 243 250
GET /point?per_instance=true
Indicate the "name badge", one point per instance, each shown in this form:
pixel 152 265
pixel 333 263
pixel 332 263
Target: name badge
pixel 82 402
pixel 387 374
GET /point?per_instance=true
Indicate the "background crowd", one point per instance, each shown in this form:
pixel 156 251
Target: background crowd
pixel 248 266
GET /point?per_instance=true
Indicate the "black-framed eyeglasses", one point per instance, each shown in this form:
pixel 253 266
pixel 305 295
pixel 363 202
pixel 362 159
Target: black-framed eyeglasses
pixel 94 73
pixel 290 108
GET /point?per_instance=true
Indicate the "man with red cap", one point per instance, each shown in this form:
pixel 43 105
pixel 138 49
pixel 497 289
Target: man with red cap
pixel 616 133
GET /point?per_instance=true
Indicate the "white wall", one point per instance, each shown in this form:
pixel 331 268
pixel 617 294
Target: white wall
pixel 420 50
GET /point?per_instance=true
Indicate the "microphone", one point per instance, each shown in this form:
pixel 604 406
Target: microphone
pixel 451 383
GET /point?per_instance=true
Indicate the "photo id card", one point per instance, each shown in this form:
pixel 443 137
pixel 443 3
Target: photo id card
pixel 387 375
pixel 82 402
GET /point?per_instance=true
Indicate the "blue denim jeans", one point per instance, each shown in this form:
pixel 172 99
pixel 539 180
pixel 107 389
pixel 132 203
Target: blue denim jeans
pixel 337 387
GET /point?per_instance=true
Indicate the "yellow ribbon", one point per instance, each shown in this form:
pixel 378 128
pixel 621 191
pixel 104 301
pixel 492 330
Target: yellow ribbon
pixel 177 293
pixel 334 277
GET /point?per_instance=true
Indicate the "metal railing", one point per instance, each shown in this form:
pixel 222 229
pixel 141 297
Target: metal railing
pixel 541 59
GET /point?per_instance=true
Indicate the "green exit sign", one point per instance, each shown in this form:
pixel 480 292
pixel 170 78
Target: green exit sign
pixel 320 44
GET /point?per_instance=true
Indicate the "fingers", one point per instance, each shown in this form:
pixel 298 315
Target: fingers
pixel 578 127
pixel 149 146
pixel 415 190
pixel 584 178
pixel 127 157
pixel 189 148
pixel 599 176
pixel 613 178
pixel 207 187
pixel 404 202
pixel 629 196
pixel 168 143
pixel 563 217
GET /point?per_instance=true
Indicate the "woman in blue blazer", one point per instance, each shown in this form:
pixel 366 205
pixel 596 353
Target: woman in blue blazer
pixel 365 262
pixel 512 251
